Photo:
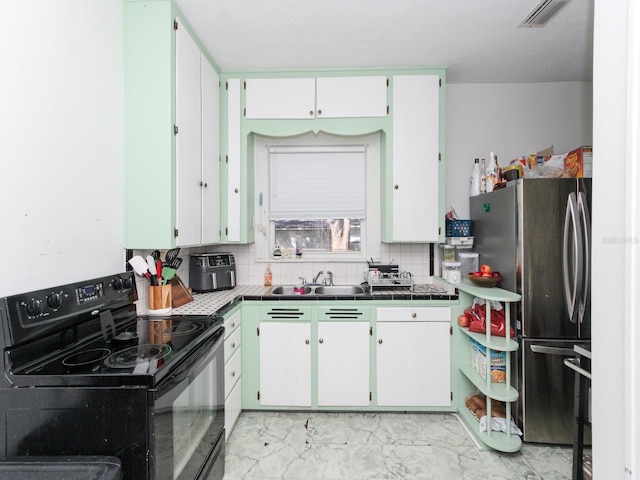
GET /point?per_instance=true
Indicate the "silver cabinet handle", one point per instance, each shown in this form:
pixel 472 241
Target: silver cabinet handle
pixel 414 315
pixel 321 341
pixel 306 341
pixel 233 374
pixel 233 345
pixel 380 341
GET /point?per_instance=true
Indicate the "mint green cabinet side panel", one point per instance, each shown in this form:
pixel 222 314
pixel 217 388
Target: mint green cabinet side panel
pixel 149 73
pixel 250 356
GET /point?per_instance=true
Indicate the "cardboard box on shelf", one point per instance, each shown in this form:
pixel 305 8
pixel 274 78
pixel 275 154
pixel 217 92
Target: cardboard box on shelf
pixel 578 163
pixel 498 363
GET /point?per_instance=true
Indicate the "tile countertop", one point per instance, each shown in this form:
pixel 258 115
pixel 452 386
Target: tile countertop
pixel 208 303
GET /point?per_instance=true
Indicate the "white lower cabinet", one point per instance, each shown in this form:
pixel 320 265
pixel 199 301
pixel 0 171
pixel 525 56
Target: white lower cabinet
pixel 232 371
pixel 343 364
pixel 413 357
pixel 285 364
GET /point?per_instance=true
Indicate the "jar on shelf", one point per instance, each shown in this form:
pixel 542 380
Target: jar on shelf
pixel 448 253
pixel 469 262
pixel 451 272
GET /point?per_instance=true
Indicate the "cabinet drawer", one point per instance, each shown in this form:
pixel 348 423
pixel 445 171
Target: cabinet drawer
pixel 231 323
pixel 232 409
pixel 231 344
pixel 414 314
pixel 285 313
pixel 232 371
pixel 343 313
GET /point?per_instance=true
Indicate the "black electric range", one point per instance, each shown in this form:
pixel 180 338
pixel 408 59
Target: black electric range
pixel 83 374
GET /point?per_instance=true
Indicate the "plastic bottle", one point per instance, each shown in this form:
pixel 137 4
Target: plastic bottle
pixel 483 177
pixel 268 276
pixel 298 249
pixel 475 178
pixel 492 173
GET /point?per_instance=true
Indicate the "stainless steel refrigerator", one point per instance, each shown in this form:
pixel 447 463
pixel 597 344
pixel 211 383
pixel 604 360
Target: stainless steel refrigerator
pixel 537 233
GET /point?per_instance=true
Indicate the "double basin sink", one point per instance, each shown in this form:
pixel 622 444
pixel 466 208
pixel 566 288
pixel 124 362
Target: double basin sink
pixel 331 290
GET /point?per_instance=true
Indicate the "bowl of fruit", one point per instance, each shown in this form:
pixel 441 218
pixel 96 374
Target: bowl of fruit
pixel 485 277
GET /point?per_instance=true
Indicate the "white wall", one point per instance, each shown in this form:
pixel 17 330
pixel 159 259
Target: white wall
pixel 611 292
pixel 61 140
pixel 511 120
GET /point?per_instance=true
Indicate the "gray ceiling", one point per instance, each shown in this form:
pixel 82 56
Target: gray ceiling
pixel 478 41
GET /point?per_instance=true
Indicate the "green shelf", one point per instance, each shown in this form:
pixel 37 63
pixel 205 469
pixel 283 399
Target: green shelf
pixel 500 344
pixel 497 440
pixel 497 391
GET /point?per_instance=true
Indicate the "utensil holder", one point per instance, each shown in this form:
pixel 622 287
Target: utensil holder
pixel 159 299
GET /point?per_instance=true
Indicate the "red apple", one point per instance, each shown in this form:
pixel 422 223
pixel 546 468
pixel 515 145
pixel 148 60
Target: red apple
pixel 476 274
pixel 487 274
pixel 495 274
pixel 485 268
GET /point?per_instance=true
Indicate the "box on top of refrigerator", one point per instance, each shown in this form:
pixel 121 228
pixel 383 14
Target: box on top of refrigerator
pixel 578 163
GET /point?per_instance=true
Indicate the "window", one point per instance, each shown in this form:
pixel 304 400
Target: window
pixel 319 189
pixel 317 197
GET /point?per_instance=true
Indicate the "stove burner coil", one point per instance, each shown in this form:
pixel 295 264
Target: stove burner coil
pixel 182 328
pixel 86 357
pixel 133 356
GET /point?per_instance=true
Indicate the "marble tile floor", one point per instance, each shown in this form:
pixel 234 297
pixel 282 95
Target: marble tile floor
pixel 363 446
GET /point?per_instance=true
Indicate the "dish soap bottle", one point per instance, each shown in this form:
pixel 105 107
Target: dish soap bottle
pixel 492 173
pixel 475 178
pixel 268 276
pixel 483 177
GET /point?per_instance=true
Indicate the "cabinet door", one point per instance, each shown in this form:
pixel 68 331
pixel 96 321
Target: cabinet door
pixel 273 98
pixel 413 365
pixel 234 167
pixel 349 97
pixel 188 141
pixel 210 153
pixel 416 120
pixel 285 364
pixel 343 364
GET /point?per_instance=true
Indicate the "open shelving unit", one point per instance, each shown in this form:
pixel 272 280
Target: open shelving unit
pixel 503 392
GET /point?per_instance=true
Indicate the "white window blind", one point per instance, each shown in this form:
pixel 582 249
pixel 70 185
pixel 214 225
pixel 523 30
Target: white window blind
pixel 317 182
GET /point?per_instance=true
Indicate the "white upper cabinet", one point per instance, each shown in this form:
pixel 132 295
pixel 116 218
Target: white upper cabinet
pixel 415 193
pixel 210 153
pixel 349 97
pixel 188 139
pixel 322 97
pixel 197 145
pixel 279 98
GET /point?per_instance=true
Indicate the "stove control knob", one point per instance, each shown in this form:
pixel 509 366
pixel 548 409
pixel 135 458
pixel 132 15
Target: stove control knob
pixel 128 283
pixel 54 301
pixel 34 308
pixel 118 284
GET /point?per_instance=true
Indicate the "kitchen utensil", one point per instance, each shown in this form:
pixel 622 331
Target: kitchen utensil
pixel 139 266
pixel 171 255
pixel 159 270
pixel 167 274
pixel 176 263
pixel 156 255
pixel 151 266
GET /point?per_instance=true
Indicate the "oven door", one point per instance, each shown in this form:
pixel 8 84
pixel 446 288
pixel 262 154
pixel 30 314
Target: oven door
pixel 188 416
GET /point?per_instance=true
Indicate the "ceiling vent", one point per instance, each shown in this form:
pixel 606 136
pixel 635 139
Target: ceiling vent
pixel 542 13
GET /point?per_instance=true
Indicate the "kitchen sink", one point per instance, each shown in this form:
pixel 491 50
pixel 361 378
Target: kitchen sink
pixel 335 290
pixel 340 290
pixel 289 290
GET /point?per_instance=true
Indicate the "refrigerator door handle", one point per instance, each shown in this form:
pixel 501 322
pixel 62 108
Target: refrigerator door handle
pixel 583 210
pixel 552 350
pixel 570 248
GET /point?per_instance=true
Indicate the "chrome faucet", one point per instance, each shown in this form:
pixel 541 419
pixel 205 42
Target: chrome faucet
pixel 315 279
pixel 329 281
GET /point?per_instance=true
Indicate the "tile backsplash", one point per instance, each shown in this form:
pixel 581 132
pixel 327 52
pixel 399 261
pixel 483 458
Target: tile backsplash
pixel 413 258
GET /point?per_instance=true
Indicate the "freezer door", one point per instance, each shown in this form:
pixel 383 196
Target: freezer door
pixel 546 385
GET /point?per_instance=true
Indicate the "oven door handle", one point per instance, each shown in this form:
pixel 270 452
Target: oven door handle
pixel 186 368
